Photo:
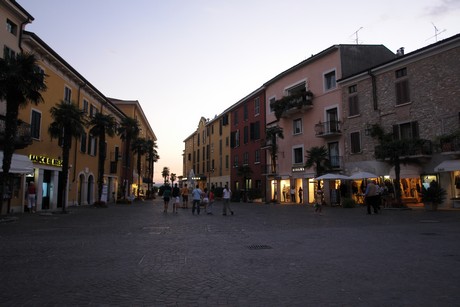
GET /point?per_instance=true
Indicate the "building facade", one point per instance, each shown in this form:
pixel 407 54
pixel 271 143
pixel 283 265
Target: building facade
pixel 40 158
pixel 247 137
pixel 415 98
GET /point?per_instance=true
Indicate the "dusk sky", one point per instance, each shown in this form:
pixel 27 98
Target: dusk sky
pixel 186 59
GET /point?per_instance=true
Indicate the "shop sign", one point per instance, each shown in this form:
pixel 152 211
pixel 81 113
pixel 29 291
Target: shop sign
pixel 298 169
pixel 45 160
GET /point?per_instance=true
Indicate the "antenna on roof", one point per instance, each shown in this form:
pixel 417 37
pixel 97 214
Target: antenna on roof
pixel 356 35
pixel 436 32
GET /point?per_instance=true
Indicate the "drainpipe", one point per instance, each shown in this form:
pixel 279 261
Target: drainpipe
pixel 374 90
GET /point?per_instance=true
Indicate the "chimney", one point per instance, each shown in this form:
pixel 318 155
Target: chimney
pixel 400 51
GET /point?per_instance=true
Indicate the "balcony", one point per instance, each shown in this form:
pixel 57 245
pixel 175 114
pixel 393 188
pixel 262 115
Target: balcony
pixel 23 136
pixel 328 129
pixel 450 146
pixel 292 104
pixel 405 149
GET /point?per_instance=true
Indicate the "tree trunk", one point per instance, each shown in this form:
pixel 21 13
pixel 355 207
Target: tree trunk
pixel 101 166
pixel 65 168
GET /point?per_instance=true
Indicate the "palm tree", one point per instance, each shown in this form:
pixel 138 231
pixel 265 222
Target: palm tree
pixel 68 122
pixel 128 131
pixel 152 156
pixel 139 147
pixel 392 150
pixel 318 157
pixel 172 177
pixel 165 173
pixel 271 134
pixel 21 82
pixel 102 125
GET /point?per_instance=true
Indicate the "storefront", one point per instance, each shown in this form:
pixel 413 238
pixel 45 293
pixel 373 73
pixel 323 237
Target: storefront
pixel 15 198
pixel 410 183
pixel 449 173
pixel 46 178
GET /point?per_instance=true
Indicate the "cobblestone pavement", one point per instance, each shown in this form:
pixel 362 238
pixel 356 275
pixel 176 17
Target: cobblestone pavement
pixel 264 255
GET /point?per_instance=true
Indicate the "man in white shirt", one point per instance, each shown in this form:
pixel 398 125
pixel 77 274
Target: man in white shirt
pixel 227 196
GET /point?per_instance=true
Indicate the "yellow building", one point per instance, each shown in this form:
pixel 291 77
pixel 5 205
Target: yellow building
pixel 65 83
pixel 135 181
pixel 38 159
pixel 206 157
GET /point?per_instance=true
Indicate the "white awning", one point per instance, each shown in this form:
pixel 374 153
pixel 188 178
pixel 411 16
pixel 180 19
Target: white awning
pixel 407 171
pixel 448 166
pixel 20 164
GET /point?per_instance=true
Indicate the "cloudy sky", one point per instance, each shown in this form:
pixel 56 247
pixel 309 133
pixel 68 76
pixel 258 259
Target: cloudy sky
pixel 184 59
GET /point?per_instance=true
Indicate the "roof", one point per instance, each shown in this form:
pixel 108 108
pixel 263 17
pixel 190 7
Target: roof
pixel 404 57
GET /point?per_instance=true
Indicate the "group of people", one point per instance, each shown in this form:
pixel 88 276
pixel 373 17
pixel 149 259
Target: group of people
pixel 289 194
pixel 199 197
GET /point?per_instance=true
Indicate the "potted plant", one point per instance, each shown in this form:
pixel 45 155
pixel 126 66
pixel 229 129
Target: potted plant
pixel 433 196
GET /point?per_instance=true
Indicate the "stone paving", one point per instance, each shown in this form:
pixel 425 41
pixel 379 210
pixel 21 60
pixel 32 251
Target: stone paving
pixel 264 255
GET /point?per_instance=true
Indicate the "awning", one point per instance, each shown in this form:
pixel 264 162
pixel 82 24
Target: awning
pixel 407 171
pixel 448 166
pixel 20 164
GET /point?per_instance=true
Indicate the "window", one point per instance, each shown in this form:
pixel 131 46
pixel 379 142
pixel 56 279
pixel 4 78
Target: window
pixel 67 94
pixel 83 142
pixel 11 27
pixel 334 157
pixel 235 161
pixel 355 141
pixel 235 139
pixel 245 135
pixel 353 106
pixel 35 123
pixel 246 158
pixel 8 53
pixel 227 160
pixel 92 145
pixel 298 155
pixel 254 131
pixel 257 156
pixel 235 118
pixel 406 131
pixel 190 157
pixel 92 111
pixel 297 126
pixel 272 101
pixel 245 111
pixel 85 106
pixel 402 86
pixel 329 81
pixel 257 106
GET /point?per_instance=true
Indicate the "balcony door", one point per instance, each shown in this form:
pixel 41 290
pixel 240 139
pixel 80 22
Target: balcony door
pixel 332 119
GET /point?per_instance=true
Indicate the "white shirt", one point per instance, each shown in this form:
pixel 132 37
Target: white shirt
pixel 227 193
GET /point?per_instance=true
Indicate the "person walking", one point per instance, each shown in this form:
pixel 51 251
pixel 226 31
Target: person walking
pixel 196 196
pixel 176 197
pixel 300 195
pixel 371 197
pixel 31 197
pixel 166 198
pixel 319 201
pixel 227 195
pixel 184 192
pixel 210 195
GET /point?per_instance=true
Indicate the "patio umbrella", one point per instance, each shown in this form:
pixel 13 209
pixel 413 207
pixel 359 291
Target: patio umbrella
pixel 363 175
pixel 332 177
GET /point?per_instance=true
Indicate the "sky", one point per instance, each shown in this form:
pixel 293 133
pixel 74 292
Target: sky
pixel 187 59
